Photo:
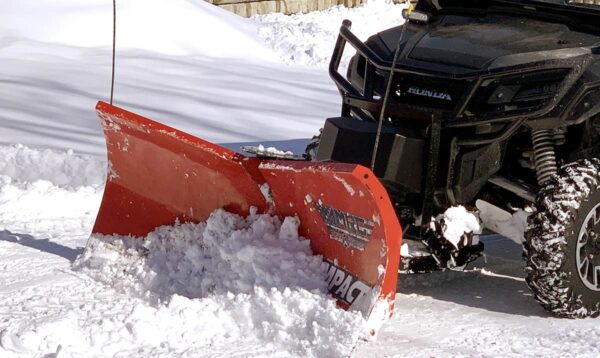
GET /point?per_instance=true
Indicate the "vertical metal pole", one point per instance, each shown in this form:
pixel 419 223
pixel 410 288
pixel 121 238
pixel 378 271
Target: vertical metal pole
pixel 385 99
pixel 432 169
pixel 114 45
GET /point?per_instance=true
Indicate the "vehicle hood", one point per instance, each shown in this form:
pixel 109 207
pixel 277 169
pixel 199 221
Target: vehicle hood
pixel 475 42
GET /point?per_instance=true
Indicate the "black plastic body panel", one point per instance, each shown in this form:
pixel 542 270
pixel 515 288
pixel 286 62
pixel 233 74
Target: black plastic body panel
pixel 399 157
pixel 474 168
pixel 405 163
pixel 351 141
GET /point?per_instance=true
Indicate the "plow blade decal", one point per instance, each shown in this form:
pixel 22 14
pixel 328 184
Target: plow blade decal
pixel 347 215
pixel 158 175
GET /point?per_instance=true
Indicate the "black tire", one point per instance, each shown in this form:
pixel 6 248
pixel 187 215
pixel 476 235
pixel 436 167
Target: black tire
pixel 561 238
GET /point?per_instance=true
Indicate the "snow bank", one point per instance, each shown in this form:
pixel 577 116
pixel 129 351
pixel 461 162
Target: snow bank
pixel 177 27
pixel 62 168
pixel 227 280
pixel 308 39
pixel 42 190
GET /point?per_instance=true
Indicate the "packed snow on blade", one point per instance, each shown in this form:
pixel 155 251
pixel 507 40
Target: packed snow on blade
pixel 159 176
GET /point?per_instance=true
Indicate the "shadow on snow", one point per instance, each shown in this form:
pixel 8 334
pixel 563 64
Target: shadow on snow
pixel 493 283
pixel 43 245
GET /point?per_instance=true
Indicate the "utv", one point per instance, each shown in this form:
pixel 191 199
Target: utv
pixel 496 100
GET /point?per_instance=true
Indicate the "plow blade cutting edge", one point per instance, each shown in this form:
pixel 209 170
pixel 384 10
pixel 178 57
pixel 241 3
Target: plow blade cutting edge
pixel 157 175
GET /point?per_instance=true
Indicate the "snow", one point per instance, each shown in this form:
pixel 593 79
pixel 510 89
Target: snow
pixel 486 311
pixel 265 190
pixel 182 28
pixel 226 254
pixel 50 83
pixel 206 289
pixel 456 222
pixel 125 300
pixel 404 250
pixel 272 151
pixel 347 186
pixel 21 163
pixel 309 39
pixel 245 281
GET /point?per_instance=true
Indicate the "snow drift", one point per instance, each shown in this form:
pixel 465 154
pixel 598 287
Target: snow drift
pixel 176 27
pixel 222 91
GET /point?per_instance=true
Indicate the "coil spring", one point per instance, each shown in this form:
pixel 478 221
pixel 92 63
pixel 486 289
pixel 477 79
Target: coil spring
pixel 559 137
pixel 543 154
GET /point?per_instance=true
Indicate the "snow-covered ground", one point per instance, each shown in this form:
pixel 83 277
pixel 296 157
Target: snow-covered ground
pixel 228 80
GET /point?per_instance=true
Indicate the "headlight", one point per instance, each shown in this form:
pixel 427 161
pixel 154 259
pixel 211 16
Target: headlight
pixel 584 2
pixel 527 92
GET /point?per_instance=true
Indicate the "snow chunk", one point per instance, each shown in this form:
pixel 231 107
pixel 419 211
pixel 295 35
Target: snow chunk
pixel 456 222
pixel 404 250
pixel 262 150
pixel 265 189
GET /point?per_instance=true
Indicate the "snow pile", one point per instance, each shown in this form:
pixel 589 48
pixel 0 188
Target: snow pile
pixel 309 39
pixel 62 168
pixel 177 27
pixel 56 188
pixel 229 280
pixel 456 222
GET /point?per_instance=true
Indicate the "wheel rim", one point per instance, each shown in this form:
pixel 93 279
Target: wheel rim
pixel 587 254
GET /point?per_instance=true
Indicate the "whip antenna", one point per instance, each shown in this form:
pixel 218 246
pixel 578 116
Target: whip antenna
pixel 114 43
pixel 385 99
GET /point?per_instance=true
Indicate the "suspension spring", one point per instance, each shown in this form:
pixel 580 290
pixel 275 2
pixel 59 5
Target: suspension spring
pixel 559 136
pixel 543 154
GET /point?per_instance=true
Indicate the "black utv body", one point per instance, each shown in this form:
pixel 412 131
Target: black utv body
pixel 493 100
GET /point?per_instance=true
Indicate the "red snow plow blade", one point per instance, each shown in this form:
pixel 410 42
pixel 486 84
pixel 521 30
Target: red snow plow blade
pixel 157 175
